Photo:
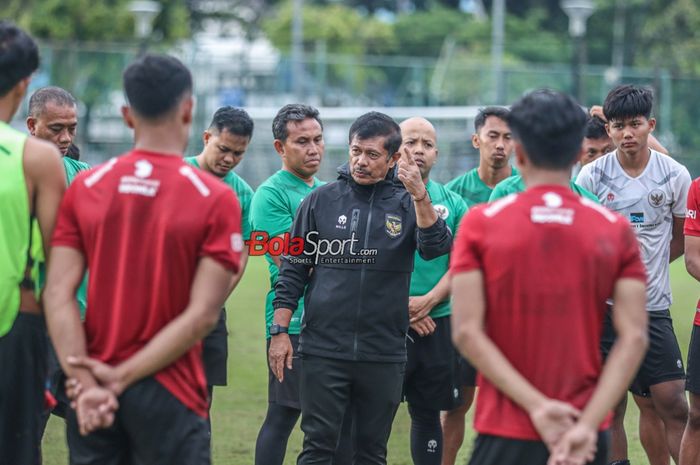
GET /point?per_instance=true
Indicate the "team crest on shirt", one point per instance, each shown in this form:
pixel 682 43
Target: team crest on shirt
pixel 441 211
pixel 392 225
pixel 342 222
pixel 656 198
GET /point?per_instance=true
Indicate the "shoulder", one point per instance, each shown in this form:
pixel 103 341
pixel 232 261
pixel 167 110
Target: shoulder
pixel 459 181
pixel 40 156
pixel 496 207
pixel 240 184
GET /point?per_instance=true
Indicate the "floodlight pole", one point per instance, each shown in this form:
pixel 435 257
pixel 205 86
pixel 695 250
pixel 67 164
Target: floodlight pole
pixel 144 11
pixel 497 40
pixel 578 12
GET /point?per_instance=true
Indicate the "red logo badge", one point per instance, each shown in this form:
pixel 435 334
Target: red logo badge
pixel 611 197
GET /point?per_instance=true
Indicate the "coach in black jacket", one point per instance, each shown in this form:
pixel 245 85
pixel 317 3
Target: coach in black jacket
pixel 360 235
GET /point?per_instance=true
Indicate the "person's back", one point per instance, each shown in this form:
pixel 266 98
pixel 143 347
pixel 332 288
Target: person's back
pixel 142 220
pixel 540 308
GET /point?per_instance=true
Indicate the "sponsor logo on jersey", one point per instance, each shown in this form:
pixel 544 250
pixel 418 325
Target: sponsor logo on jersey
pixel 637 218
pixel 552 200
pixel 392 225
pixel 432 446
pixel 441 211
pixel 539 214
pixel 342 220
pixel 143 169
pixel 611 197
pixel 692 214
pixel 656 198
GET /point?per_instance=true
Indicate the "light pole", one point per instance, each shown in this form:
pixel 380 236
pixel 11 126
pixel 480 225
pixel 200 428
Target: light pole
pixel 498 10
pixel 578 12
pixel 298 49
pixel 144 11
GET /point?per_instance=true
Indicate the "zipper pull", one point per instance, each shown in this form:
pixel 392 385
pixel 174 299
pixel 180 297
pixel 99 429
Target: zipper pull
pixel 354 222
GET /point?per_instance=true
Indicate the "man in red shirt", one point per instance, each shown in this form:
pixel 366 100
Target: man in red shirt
pixel 529 307
pixel 162 241
pixel 690 445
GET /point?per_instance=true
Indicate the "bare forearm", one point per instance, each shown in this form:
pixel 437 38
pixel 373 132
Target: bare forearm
pixel 441 291
pixel 677 247
pixel 237 277
pixel 282 317
pixel 67 334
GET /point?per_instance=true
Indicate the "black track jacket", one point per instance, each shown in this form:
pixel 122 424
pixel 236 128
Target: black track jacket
pixel 359 248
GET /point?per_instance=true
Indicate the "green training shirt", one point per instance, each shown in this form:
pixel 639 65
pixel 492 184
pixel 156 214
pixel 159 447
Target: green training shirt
pixel 243 191
pixel 274 205
pixel 14 223
pixel 426 273
pixel 515 184
pixel 471 188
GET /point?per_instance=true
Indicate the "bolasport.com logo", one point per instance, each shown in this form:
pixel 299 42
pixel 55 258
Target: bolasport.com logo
pixel 311 249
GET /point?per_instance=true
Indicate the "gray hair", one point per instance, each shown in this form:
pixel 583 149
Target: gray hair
pixel 40 98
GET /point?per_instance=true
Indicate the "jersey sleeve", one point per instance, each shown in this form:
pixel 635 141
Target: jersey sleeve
pixel 631 265
pixel 585 179
pixel 692 222
pixel 681 186
pixel 466 254
pixel 223 241
pixel 269 212
pixel 67 230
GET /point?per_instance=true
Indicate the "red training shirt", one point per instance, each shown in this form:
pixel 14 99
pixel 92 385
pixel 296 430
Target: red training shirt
pixel 550 259
pixel 142 221
pixel 692 225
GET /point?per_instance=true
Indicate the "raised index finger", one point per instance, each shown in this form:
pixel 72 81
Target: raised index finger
pixel 407 157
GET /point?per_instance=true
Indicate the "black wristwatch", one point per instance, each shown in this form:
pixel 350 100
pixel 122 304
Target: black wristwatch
pixel 277 329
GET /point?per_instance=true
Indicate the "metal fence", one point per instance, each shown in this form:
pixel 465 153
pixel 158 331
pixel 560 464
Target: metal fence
pixel 448 92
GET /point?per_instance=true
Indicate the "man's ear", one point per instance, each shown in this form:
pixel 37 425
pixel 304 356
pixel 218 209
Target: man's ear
pixel 475 141
pixel 206 136
pixel 279 146
pixel 186 107
pixel 31 125
pixel 652 124
pixel 127 116
pixel 393 159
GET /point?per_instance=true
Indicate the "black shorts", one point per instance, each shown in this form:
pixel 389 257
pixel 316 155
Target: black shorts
pixel 496 450
pixel 432 369
pixel 692 382
pixel 23 352
pixel 215 353
pixel 151 427
pixel 663 360
pixel 285 393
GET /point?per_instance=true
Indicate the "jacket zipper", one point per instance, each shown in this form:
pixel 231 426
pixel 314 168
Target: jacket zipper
pixel 362 271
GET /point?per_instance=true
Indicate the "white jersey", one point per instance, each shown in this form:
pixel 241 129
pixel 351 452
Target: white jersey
pixel 650 202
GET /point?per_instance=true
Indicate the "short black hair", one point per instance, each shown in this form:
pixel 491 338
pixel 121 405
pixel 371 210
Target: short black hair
pixel 480 120
pixel 19 56
pixel 376 124
pixel 550 126
pixel 58 95
pixel 595 128
pixel 155 84
pixel 628 101
pixel 234 120
pixel 292 112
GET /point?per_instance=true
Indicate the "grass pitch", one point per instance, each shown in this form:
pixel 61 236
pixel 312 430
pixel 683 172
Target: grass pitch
pixel 239 408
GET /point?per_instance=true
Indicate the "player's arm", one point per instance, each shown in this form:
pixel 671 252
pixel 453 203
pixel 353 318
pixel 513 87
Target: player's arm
pixel 692 256
pixel 291 282
pixel 677 238
pixel 209 291
pixel 45 176
pixel 420 306
pixel 236 278
pixel 630 323
pixel 550 417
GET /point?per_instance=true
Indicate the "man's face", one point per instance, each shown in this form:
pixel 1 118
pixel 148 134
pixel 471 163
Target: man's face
pixel 369 160
pixel 630 135
pixel 303 149
pixel 223 151
pixel 494 142
pixel 595 148
pixel 421 142
pixel 56 123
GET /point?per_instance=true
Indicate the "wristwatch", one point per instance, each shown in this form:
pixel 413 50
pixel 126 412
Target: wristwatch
pixel 276 329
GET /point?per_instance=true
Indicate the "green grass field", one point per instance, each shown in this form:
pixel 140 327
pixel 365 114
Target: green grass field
pixel 239 408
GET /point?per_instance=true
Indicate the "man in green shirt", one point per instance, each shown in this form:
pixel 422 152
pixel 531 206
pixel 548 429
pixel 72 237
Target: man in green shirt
pixel 31 186
pixel 298 133
pixel 53 117
pixel 225 142
pixel 492 138
pixel 430 382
